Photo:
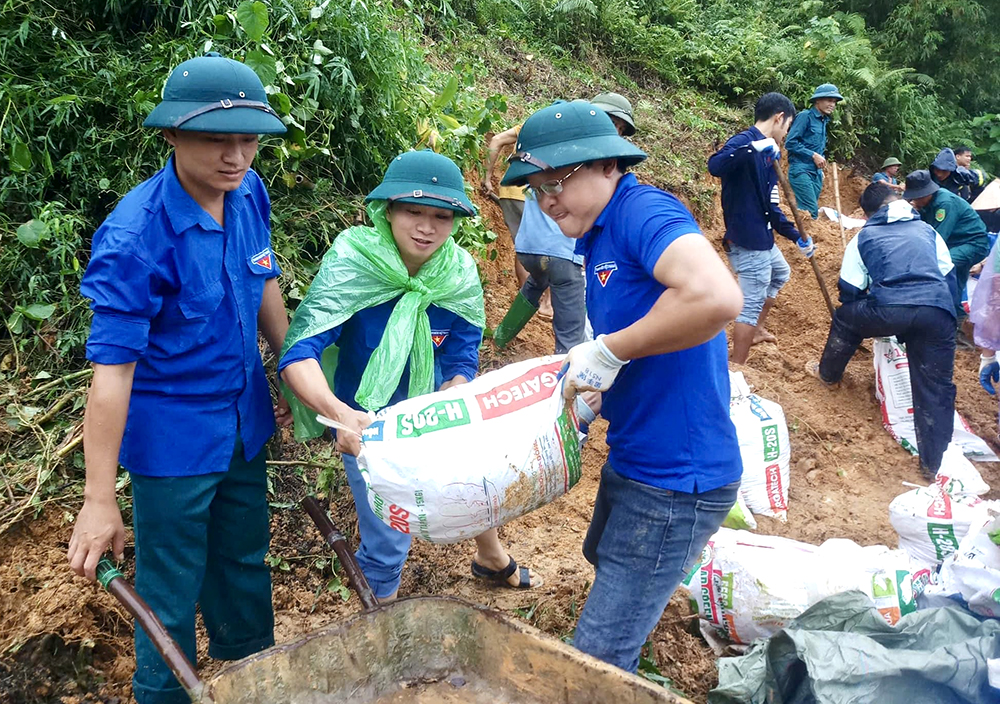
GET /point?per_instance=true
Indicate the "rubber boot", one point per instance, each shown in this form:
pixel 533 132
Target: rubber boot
pixel 517 317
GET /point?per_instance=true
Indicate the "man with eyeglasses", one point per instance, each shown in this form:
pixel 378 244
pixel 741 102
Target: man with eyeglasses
pixel 550 259
pixel 659 298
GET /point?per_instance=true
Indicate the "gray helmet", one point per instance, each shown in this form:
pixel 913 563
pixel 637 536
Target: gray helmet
pixel 215 94
pixel 617 106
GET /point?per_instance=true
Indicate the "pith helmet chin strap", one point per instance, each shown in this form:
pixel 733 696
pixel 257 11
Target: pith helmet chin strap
pixel 224 104
pixel 528 159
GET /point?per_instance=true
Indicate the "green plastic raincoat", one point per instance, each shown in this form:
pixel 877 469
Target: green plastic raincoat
pixel 364 269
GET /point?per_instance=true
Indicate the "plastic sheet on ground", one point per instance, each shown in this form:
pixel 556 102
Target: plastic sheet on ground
pixel 841 651
pixel 849 222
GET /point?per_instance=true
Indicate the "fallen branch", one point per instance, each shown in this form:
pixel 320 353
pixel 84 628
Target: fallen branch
pixel 55 382
pixel 296 463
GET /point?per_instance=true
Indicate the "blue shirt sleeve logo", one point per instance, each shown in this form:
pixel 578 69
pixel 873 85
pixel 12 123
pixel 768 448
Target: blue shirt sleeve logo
pixel 604 271
pixel 263 259
pixel 438 337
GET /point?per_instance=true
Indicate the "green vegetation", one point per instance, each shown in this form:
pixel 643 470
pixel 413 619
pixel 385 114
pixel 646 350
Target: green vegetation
pixel 359 81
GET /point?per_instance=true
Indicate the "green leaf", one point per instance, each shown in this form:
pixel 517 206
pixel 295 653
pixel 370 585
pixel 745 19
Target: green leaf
pixel 263 65
pixel 15 322
pixel 223 25
pixel 104 184
pixel 20 157
pixel 281 103
pixel 448 94
pixel 32 233
pixel 38 311
pixel 252 17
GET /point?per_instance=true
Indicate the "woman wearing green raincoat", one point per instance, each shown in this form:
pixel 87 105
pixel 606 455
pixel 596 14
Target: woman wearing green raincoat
pixel 395 311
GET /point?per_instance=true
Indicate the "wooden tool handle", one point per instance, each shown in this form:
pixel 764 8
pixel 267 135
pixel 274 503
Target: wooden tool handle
pixel 336 540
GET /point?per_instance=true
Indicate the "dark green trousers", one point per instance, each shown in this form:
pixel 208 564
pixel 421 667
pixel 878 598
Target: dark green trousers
pixel 201 540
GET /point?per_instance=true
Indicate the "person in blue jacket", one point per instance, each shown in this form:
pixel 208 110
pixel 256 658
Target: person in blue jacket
pixel 947 174
pixel 897 279
pixel 746 164
pixel 417 204
pixel 659 298
pixel 181 278
pixel 806 145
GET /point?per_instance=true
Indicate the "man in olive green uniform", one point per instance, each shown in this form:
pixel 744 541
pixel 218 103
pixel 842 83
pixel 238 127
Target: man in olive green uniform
pixel 954 219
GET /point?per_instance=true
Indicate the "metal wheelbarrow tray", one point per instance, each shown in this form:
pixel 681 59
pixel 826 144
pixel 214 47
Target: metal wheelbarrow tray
pixel 428 649
pixel 415 651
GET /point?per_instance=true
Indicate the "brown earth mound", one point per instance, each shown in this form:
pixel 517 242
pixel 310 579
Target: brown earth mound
pixel 62 640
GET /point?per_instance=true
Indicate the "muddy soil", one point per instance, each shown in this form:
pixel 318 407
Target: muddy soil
pixel 62 640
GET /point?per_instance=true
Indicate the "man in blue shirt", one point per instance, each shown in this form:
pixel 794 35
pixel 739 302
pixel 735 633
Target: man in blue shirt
pixel 889 174
pixel 897 279
pixel 746 164
pixel 181 277
pixel 806 146
pixel 659 298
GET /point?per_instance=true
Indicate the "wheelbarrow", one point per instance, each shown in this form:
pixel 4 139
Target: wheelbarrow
pixel 417 650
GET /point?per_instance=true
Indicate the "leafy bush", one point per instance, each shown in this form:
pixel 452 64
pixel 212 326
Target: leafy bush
pixel 350 81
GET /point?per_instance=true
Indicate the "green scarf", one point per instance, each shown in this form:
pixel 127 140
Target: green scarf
pixel 363 269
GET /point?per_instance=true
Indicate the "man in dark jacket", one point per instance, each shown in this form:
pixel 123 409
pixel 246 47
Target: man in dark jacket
pixel 750 207
pixel 946 173
pixel 897 279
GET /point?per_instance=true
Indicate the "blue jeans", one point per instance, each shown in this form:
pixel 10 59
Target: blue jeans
pixel 202 540
pixel 569 306
pixel 761 274
pixel 807 183
pixel 642 540
pixel 382 552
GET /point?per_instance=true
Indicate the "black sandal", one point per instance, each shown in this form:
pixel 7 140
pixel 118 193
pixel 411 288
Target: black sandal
pixel 500 577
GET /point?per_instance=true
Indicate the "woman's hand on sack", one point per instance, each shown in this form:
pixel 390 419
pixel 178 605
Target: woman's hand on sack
pixel 456 380
pixel 349 443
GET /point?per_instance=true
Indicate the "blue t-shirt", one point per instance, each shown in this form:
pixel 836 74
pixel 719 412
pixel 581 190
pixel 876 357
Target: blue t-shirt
pixel 668 414
pixel 456 349
pixel 178 294
pixel 539 234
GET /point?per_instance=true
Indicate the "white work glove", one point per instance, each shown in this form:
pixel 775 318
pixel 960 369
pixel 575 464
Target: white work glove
pixel 768 146
pixel 590 366
pixel 806 246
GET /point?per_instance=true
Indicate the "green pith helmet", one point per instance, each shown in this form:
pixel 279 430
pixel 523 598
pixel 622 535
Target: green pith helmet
pixel 827 90
pixel 891 161
pixel 424 178
pixel 617 106
pixel 214 94
pixel 567 134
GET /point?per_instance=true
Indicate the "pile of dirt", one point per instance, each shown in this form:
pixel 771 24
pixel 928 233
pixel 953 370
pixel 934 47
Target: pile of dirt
pixel 845 471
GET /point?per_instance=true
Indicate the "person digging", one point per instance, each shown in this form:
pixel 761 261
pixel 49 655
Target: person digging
pixel 659 298
pixel 897 279
pixel 181 278
pixel 395 311
pixel 746 165
pixel 889 174
pixel 552 261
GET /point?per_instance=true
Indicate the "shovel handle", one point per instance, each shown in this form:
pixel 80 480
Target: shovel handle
pixel 113 581
pixel 336 540
pixel 790 197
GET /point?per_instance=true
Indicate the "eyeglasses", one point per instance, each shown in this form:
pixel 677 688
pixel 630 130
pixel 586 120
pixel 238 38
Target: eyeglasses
pixel 555 186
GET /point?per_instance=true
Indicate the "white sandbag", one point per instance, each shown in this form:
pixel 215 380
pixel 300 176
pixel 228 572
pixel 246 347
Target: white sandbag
pixel 931 521
pixel 973 571
pixel 892 389
pixel 449 465
pixel 749 586
pixel 764 448
pixel 958 475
